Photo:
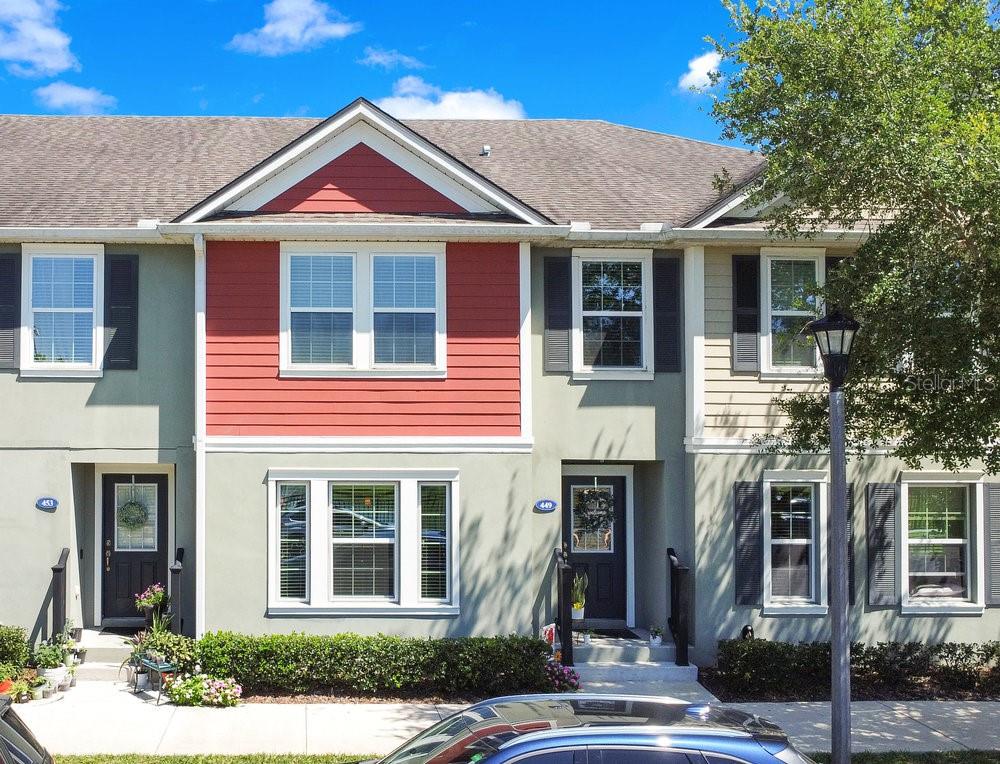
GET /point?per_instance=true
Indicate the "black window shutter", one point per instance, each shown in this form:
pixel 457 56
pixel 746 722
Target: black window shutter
pixel 121 311
pixel 558 314
pixel 748 542
pixel 883 513
pixel 746 312
pixel 993 544
pixel 851 541
pixel 667 313
pixel 10 308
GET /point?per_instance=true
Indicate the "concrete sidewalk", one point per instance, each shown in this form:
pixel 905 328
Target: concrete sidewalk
pixel 105 717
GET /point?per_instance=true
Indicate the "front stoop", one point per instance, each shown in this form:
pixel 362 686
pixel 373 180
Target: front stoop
pixel 630 662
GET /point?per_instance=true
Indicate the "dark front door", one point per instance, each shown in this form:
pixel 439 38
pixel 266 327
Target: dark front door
pixel 594 533
pixel 134 547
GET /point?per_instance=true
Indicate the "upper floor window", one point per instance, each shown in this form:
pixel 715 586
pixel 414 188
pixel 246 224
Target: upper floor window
pixel 362 309
pixel 612 313
pixel 62 309
pixel 790 303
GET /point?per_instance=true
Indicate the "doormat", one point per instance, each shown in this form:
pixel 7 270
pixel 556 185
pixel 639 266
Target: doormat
pixel 122 631
pixel 615 633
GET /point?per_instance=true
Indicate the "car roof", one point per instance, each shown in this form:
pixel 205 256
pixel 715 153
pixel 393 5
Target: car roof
pixel 590 714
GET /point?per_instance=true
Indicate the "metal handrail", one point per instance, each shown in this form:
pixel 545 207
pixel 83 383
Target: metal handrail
pixel 680 605
pixel 564 604
pixel 59 592
pixel 176 568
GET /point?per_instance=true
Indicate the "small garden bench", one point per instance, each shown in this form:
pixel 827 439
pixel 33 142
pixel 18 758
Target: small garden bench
pixel 160 669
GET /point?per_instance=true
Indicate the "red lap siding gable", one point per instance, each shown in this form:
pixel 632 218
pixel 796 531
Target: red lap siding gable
pixel 361 180
pixel 480 395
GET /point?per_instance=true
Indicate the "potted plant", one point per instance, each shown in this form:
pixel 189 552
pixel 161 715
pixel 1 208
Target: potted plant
pixel 20 691
pixel 141 678
pixel 588 636
pixel 655 636
pixel 49 661
pixel 137 645
pixel 578 595
pixel 72 676
pixel 151 601
pixel 38 685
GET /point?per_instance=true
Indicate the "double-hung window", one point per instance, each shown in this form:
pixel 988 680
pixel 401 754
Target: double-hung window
pixel 794 535
pixel 384 542
pixel 790 303
pixel 62 309
pixel 612 313
pixel 363 308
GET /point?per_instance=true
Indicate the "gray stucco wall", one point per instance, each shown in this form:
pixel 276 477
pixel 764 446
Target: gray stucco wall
pixel 54 430
pixel 716 617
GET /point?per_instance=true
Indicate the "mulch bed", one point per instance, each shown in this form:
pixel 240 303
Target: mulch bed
pixel 924 689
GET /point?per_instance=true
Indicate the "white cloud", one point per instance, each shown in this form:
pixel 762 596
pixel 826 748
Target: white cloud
pixel 700 71
pixel 30 40
pixel 413 98
pixel 389 59
pixel 61 96
pixel 291 26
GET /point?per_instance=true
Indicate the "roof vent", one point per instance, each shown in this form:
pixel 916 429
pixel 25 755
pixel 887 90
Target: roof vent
pixel 486 150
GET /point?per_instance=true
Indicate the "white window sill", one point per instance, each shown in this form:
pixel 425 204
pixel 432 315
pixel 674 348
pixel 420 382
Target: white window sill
pixel 396 372
pixel 616 375
pixel 57 373
pixel 791 375
pixel 292 609
pixel 954 607
pixel 777 608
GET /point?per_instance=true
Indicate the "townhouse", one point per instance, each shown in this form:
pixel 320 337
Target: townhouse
pixel 368 375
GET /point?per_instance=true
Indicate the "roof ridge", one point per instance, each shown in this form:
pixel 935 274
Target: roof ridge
pixel 702 141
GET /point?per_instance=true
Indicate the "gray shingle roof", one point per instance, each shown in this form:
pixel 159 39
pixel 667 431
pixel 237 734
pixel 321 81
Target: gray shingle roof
pixel 112 171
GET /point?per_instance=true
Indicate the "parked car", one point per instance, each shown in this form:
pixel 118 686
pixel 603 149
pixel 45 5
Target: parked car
pixel 17 744
pixel 598 729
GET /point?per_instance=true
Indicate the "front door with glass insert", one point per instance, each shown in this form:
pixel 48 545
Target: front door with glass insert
pixel 594 534
pixel 134 544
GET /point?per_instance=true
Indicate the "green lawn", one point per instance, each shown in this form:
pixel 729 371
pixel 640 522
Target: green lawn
pixel 951 757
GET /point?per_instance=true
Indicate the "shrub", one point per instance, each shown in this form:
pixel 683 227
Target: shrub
pixel 14 645
pixel 352 664
pixel 175 648
pixel 203 690
pixel 49 656
pixel 9 671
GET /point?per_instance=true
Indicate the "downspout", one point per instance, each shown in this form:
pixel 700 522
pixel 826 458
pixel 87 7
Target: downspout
pixel 200 348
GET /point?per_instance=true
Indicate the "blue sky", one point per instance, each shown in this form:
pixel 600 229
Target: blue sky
pixel 617 61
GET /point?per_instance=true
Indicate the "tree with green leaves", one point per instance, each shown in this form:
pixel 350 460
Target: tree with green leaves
pixel 884 115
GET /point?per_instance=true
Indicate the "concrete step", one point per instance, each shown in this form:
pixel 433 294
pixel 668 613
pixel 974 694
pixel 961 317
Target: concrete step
pixel 637 671
pixel 106 655
pixel 104 671
pixel 603 652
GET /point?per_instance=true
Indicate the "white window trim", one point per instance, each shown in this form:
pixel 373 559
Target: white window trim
pixel 644 256
pixel 817 605
pixel 975 604
pixel 363 364
pixel 28 366
pixel 319 599
pixel 768 255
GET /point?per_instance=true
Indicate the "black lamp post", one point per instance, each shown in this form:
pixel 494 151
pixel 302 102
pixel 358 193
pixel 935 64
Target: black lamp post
pixel 834 336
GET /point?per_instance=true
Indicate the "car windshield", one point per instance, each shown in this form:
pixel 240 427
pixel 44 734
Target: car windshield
pixel 474 734
pixel 20 744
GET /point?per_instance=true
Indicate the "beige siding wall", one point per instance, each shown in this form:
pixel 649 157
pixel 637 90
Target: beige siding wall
pixel 737 404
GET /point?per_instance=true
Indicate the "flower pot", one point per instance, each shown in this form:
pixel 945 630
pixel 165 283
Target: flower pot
pixel 76 633
pixel 54 676
pixel 142 680
pixel 47 691
pixel 586 639
pixel 81 654
pixel 72 680
pixel 38 692
pixel 655 641
pixel 64 685
pixel 578 614
pixel 68 661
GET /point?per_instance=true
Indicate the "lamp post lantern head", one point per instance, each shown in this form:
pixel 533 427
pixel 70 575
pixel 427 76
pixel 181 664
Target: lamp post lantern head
pixel 834 335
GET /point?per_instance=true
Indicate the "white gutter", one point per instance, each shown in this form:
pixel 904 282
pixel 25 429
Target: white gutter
pixel 538 234
pixel 108 234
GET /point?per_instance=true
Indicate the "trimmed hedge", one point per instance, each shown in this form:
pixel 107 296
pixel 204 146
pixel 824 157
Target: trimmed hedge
pixel 758 667
pixel 14 645
pixel 351 664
